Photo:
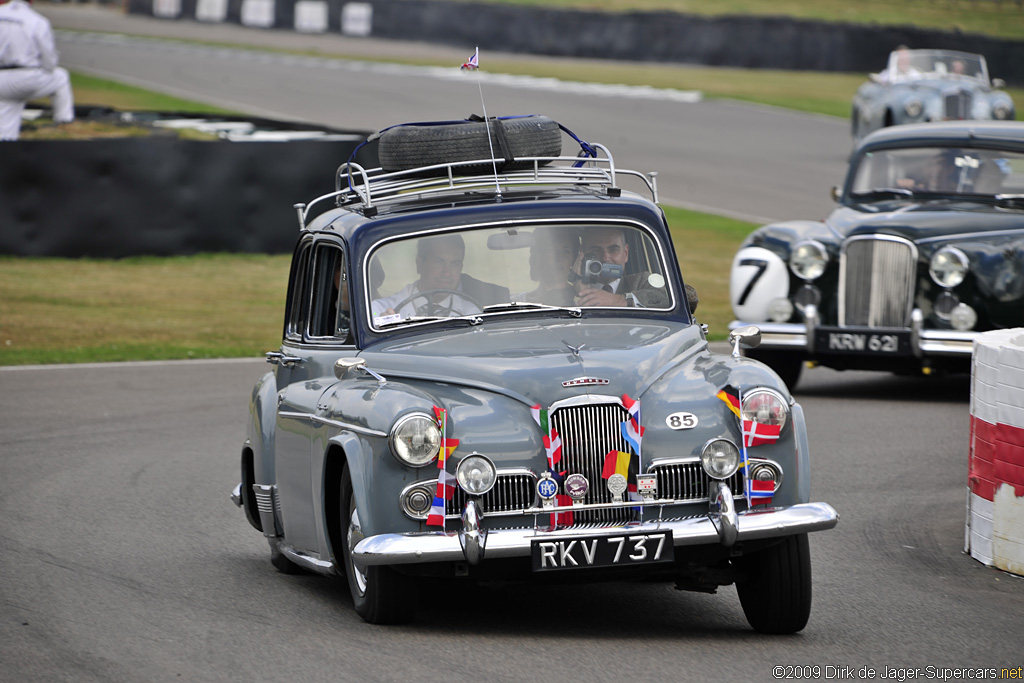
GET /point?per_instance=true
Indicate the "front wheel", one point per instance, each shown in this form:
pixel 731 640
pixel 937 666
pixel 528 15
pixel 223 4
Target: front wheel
pixel 380 594
pixel 776 589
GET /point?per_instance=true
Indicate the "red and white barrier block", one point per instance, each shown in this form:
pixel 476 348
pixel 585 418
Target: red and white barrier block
pixel 995 497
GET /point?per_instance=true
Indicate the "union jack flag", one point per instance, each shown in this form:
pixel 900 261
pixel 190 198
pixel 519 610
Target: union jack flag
pixel 474 62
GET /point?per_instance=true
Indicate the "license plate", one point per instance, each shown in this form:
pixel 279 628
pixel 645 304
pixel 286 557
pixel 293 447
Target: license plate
pixel 602 551
pixel 862 342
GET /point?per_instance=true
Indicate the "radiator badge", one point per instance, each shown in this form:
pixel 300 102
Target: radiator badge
pixel 547 489
pixel 576 485
pixel 584 381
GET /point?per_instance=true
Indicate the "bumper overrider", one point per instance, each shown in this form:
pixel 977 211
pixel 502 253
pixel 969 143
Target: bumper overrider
pixel 721 525
pixel 813 338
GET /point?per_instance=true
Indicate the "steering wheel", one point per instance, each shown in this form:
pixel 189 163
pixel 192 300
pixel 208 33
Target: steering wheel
pixel 437 310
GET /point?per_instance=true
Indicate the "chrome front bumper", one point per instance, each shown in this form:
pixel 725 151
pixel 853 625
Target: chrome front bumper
pixel 722 525
pixel 800 336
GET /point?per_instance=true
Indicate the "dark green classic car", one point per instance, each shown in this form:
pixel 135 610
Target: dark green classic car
pixel 924 252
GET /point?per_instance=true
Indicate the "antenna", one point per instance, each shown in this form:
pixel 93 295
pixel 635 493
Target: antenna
pixel 474 65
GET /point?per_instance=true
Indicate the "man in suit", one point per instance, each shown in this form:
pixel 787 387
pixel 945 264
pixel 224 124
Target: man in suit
pixel 441 285
pixel 608 245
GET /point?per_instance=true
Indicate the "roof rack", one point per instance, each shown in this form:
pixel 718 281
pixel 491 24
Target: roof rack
pixel 369 188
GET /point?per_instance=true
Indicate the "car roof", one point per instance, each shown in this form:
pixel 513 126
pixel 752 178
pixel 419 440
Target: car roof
pixel 966 133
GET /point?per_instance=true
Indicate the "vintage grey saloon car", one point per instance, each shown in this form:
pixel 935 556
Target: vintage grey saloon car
pixel 924 252
pixel 919 86
pixel 458 394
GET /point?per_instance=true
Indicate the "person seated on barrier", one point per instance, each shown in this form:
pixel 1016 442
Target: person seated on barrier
pixel 28 67
pixel 552 255
pixel 442 289
pixel 601 273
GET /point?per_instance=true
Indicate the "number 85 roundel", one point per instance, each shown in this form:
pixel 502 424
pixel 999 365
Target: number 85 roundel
pixel 758 276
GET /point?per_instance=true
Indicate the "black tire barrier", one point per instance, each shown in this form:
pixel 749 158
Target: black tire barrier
pixel 161 195
pixel 737 41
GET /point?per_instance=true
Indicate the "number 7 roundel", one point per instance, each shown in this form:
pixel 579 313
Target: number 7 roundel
pixel 758 276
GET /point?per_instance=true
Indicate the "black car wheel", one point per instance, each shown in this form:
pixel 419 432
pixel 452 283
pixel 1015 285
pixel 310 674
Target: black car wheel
pixel 786 364
pixel 380 594
pixel 776 589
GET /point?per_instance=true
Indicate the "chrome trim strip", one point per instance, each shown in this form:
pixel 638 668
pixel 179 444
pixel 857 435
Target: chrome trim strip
pixel 439 546
pixel 366 431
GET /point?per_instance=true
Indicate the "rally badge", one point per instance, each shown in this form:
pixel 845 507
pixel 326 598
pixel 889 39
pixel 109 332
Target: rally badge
pixel 617 486
pixel 576 485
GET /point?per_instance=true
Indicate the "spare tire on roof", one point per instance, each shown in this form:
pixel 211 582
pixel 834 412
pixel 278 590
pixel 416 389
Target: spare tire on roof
pixel 424 144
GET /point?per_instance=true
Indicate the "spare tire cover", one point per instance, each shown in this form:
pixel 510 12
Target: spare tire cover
pixel 415 145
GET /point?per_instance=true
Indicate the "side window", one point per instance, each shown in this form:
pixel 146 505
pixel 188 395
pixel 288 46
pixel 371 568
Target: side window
pixel 329 314
pixel 298 294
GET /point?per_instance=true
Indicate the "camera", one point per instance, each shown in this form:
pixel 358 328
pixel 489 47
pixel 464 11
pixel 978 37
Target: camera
pixel 594 271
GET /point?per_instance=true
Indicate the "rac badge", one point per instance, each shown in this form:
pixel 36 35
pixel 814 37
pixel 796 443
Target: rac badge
pixel 617 486
pixel 547 489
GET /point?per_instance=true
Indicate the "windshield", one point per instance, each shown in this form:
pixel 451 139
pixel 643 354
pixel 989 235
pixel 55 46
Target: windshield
pixel 914 64
pixel 496 270
pixel 945 170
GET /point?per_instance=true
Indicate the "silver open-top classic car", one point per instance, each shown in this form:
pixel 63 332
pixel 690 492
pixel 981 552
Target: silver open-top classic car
pixel 919 86
pixel 458 392
pixel 924 252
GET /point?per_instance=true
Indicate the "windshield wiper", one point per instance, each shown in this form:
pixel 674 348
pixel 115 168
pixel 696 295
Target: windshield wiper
pixel 881 192
pixel 1010 200
pixel 411 319
pixel 526 305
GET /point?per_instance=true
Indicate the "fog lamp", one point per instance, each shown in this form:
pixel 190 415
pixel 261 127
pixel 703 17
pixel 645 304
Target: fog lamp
pixel 766 473
pixel 944 305
pixel 720 458
pixel 963 318
pixel 476 474
pixel 780 310
pixel 416 500
pixel 807 295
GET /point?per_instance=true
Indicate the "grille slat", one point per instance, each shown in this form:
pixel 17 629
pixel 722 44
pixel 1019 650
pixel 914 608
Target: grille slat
pixel 876 287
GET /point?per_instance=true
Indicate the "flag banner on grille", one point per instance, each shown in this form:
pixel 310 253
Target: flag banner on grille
pixel 760 492
pixel 631 430
pixel 553 446
pixel 756 434
pixel 617 462
pixel 445 481
pixel 562 518
pixel 540 416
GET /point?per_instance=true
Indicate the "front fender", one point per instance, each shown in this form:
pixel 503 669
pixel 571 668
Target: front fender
pixel 261 427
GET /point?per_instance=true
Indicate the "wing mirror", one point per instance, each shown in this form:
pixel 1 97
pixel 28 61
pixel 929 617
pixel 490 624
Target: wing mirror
pixel 342 366
pixel 748 336
pixel 998 83
pixel 836 193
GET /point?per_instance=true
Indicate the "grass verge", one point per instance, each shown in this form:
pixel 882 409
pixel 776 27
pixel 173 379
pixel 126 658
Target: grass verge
pixel 232 305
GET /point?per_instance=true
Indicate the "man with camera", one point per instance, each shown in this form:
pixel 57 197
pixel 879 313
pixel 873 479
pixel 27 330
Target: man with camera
pixel 603 281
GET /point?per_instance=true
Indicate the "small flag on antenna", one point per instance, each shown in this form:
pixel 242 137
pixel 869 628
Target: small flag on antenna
pixel 474 62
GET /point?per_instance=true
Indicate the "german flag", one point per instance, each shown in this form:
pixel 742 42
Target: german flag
pixel 731 396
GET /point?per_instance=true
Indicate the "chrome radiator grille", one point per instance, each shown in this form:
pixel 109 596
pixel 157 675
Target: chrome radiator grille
pixel 957 105
pixel 876 282
pixel 588 432
pixel 688 481
pixel 511 492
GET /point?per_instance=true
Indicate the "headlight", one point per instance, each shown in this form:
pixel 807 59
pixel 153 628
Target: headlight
pixel 476 474
pixel 415 439
pixel 808 260
pixel 720 458
pixel 913 108
pixel 963 318
pixel 1001 112
pixel 765 407
pixel 948 267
